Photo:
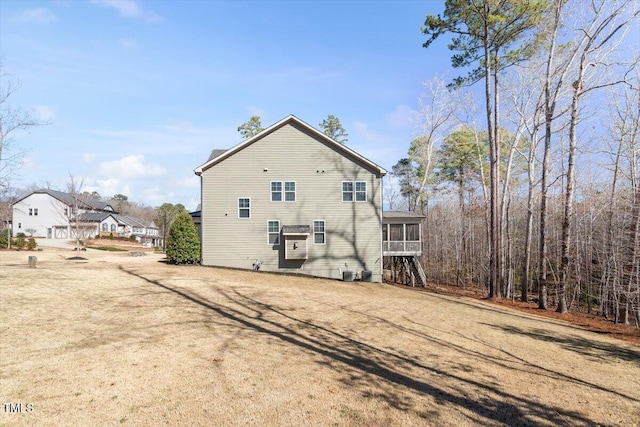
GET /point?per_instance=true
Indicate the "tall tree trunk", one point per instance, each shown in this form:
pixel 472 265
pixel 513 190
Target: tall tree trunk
pixel 526 259
pixel 549 104
pixel 495 285
pixel 567 217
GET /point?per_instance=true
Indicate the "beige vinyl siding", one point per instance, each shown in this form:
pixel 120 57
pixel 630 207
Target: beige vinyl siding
pixel 353 230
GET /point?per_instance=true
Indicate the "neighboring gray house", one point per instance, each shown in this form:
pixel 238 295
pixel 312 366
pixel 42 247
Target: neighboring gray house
pixel 46 213
pixel 290 199
pixel 53 214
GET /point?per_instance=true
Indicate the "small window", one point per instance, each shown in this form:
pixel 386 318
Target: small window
pixel 290 191
pixel 244 207
pixel 35 212
pixel 273 232
pixel 113 227
pixel 19 225
pixel 361 191
pixel 347 191
pixel 276 191
pixel 319 233
pixel 105 226
pixel 30 212
pixel 66 212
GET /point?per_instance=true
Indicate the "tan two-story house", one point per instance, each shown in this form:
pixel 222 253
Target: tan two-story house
pixel 290 199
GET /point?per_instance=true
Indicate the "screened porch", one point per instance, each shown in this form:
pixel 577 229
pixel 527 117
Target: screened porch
pixel 401 233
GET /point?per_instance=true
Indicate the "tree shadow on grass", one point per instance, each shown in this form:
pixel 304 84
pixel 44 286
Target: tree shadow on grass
pixel 586 347
pixel 375 372
pixel 510 362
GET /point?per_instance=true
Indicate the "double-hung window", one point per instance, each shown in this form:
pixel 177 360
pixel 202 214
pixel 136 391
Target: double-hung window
pixel 30 212
pixel 289 191
pixel 277 188
pixel 244 207
pixel 347 191
pixel 273 232
pixel 361 191
pixel 319 233
pixel 354 191
pixel 276 191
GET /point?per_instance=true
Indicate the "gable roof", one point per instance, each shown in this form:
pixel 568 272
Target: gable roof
pixel 215 153
pixel 95 216
pixel 220 155
pixel 70 200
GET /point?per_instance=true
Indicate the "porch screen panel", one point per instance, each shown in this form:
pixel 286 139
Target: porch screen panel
pixel 413 232
pixel 395 233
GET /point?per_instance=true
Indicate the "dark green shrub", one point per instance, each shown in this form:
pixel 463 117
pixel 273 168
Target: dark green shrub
pixel 183 245
pixel 20 242
pixel 3 237
pixel 132 238
pixel 31 243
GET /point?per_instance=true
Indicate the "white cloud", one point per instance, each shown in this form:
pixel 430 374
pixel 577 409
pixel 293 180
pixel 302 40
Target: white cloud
pixel 129 9
pixel 28 163
pixel 401 117
pixel 109 187
pixel 131 167
pixel 44 113
pixel 362 129
pixel 35 16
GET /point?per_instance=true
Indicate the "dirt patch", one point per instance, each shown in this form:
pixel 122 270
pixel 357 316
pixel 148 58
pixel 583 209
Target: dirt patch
pixel 131 340
pixel 125 245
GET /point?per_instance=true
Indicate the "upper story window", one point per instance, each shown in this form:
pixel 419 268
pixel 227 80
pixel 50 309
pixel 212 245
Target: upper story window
pixel 30 212
pixel 276 191
pixel 361 191
pixel 244 207
pixel 354 191
pixel 289 191
pixel 347 191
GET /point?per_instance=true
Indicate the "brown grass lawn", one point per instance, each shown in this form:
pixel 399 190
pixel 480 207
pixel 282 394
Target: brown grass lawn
pixel 121 340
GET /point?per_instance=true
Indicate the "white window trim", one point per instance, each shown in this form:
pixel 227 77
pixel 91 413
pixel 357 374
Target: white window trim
pixel 324 223
pixel 270 233
pixel 238 205
pixel 284 191
pixel 271 192
pixel 355 191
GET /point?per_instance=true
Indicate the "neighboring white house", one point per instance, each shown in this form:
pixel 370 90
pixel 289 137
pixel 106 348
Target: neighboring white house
pixel 290 199
pixel 57 215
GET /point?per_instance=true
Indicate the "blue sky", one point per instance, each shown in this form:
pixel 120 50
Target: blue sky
pixel 139 92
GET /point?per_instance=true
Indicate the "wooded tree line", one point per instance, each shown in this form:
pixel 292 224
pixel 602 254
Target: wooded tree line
pixel 542 200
